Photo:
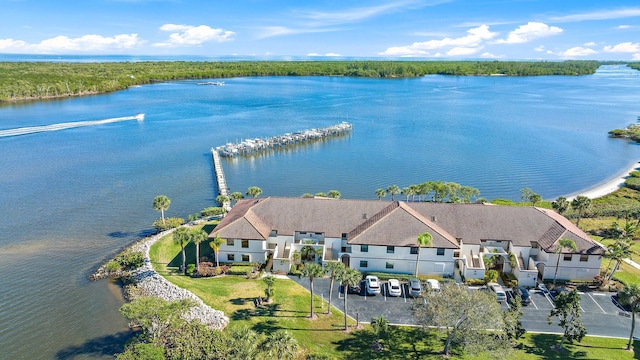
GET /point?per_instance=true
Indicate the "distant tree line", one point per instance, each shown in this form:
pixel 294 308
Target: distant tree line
pixel 42 80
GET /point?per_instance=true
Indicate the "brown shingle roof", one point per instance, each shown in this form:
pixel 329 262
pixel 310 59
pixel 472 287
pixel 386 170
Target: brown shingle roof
pixel 399 223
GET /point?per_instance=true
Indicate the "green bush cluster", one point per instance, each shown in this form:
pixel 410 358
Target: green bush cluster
pixel 211 211
pixel 130 259
pixel 169 223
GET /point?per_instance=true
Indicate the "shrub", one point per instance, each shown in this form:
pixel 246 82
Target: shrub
pixel 211 211
pixel 170 223
pixel 503 202
pixel 509 279
pixel 191 268
pixel 635 173
pixel 240 270
pixel 130 259
pixel 475 282
pixel 491 275
pixel 208 269
pixel 633 183
pixel 294 270
pixel 112 266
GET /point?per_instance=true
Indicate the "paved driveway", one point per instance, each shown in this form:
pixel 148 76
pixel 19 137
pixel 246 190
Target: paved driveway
pixel 600 314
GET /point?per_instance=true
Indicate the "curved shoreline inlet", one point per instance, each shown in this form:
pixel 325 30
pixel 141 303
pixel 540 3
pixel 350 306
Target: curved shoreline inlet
pixel 67 125
pixel 607 187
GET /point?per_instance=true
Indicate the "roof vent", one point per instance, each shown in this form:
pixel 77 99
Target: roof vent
pixel 433 218
pixel 364 216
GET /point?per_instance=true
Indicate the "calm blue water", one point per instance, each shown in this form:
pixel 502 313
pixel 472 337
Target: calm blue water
pixel 70 198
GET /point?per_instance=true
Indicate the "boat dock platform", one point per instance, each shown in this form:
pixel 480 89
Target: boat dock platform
pixel 251 146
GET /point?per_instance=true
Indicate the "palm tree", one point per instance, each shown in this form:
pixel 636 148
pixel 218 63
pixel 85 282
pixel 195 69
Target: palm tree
pixel 321 194
pixel 620 250
pixel 280 344
pixel 535 198
pixel 221 199
pixel 236 196
pixel 393 189
pixel 312 271
pixel 380 193
pixel 426 240
pixel 161 203
pixel 348 277
pixel 380 327
pixel 197 236
pixel 215 244
pixel 332 268
pixel 563 243
pixel 269 280
pixel 254 191
pixel 630 295
pixel 415 190
pixel 334 194
pixel 407 191
pixel 560 205
pixel 580 204
pixel 181 236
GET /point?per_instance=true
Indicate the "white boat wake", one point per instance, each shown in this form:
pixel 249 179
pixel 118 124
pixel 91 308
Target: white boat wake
pixel 63 126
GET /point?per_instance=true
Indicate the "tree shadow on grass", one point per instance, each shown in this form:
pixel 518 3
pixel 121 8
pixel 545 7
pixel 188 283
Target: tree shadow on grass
pixel 399 343
pixel 98 347
pixel 545 346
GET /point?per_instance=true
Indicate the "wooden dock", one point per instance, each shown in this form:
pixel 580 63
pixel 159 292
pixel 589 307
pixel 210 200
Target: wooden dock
pixel 218 173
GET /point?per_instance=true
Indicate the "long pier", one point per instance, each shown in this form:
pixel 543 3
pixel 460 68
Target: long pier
pixel 63 126
pixel 218 173
pixel 251 146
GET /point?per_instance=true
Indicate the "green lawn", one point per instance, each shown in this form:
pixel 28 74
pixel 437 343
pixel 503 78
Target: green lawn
pixel 234 296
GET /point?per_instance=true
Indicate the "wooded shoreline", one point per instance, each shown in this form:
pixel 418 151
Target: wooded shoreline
pixel 27 81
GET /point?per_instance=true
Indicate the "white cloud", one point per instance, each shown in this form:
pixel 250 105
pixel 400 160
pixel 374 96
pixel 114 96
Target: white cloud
pixel 457 46
pixel 636 56
pixel 539 48
pixel 271 31
pixel 488 55
pixel 599 15
pixel 64 44
pixel 590 44
pixel 625 47
pixel 577 51
pixel 357 14
pixel 622 27
pixel 528 32
pixel 327 54
pixel 463 51
pixel 193 35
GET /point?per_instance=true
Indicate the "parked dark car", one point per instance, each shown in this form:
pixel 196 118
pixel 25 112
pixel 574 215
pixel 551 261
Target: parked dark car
pixel 558 290
pixel 354 289
pixel 523 293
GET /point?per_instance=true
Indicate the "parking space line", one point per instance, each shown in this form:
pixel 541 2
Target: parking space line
pixel 600 307
pixel 549 299
pixel 581 293
pixel 534 304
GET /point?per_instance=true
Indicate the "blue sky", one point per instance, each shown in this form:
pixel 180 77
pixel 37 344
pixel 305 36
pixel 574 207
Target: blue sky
pixel 435 29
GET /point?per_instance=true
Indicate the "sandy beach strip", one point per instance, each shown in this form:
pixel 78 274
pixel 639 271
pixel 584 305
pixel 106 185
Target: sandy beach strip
pixel 608 187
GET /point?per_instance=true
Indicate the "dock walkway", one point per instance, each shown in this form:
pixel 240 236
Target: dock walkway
pixel 218 173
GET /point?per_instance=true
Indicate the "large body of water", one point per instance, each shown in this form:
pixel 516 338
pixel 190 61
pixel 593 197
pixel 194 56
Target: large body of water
pixel 70 198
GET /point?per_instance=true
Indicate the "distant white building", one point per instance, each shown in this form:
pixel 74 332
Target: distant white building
pixel 372 235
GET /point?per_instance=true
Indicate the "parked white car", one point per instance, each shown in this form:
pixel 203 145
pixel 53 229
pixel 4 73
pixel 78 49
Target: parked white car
pixel 372 284
pixel 394 287
pixel 433 285
pixel 497 289
pixel 415 288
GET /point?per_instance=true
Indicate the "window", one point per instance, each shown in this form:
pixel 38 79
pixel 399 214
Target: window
pixel 229 242
pixel 390 250
pixel 584 257
pixel 245 257
pixel 389 265
pixel 364 263
pixel 534 245
pixel 344 236
pixel 364 248
pixel 567 257
pixel 273 233
pixel 231 257
pixel 245 243
pixel 440 252
pixel 414 250
pixel 456 254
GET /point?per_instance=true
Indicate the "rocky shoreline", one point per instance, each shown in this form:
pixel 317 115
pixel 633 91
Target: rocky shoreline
pixel 148 282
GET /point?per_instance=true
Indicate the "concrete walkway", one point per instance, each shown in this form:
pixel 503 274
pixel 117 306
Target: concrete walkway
pixel 632 263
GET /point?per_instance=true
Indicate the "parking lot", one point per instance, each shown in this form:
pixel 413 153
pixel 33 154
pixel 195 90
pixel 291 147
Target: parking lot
pixel 600 313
